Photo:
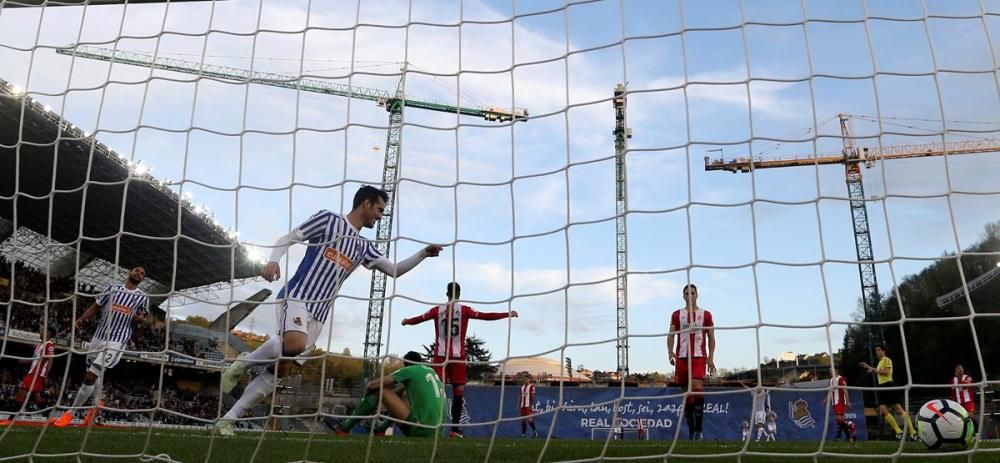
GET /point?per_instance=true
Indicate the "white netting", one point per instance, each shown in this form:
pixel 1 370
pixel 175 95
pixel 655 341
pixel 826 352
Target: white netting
pixel 558 151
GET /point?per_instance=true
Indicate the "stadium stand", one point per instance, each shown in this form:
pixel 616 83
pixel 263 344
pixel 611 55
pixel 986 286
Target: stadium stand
pixel 128 397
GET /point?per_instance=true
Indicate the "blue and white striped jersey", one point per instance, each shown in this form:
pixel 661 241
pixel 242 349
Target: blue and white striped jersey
pixel 119 306
pixel 335 250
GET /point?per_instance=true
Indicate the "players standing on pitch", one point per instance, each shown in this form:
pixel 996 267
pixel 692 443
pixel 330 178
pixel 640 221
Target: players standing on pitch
pixel 451 322
pixel 418 413
pixel 963 393
pixel 694 356
pixel 121 305
pixel 336 248
pixel 41 362
pixel 840 402
pixel 886 395
pixel 772 426
pixel 524 403
pixel 761 407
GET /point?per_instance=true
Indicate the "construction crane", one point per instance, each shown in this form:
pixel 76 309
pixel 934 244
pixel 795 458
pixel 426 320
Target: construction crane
pixel 622 133
pixel 392 102
pixel 854 159
pixel 972 285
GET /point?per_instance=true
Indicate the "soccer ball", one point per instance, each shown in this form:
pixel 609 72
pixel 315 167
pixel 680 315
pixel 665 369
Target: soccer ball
pixel 944 424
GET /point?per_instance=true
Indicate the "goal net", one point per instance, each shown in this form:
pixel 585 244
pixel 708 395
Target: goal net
pixel 822 173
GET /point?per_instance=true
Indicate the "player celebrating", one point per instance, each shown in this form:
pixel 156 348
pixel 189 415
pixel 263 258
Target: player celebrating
pixel 525 402
pixel 418 414
pixel 887 396
pixel 452 320
pixel 336 247
pixel 840 401
pixel 121 305
pixel 694 357
pixel 41 363
pixel 963 393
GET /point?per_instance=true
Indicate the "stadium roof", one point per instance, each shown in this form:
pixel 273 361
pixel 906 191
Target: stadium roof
pixel 129 218
pixel 42 255
pixel 187 330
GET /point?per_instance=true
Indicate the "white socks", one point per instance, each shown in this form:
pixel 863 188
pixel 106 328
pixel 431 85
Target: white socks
pixel 98 388
pixel 267 352
pixel 261 386
pixel 83 395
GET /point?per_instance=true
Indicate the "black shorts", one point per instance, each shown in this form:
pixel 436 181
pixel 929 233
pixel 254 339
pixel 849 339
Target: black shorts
pixel 889 397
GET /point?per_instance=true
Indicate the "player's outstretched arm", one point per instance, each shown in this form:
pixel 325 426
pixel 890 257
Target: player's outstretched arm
pixel 471 313
pixel 272 270
pixel 397 270
pixel 428 315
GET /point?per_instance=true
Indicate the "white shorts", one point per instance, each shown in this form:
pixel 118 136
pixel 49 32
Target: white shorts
pixel 758 418
pixel 104 354
pixel 294 316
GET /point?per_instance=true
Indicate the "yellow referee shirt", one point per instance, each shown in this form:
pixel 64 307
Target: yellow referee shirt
pixel 884 364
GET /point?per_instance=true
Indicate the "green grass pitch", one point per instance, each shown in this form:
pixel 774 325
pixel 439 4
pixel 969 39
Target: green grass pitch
pixel 194 446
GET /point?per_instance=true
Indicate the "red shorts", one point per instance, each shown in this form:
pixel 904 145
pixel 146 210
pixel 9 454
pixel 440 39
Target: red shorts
pixel 970 407
pixel 525 411
pixel 454 372
pixel 839 409
pixel 31 383
pixel 697 370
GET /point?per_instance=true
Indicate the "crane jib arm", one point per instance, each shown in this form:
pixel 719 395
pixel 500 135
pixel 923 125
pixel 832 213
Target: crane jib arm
pixel 231 74
pixel 867 155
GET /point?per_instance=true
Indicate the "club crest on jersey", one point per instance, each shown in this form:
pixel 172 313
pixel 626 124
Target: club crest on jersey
pixel 338 258
pixel 297 321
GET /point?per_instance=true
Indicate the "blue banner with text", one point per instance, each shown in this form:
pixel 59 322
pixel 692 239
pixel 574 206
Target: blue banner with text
pixel 588 413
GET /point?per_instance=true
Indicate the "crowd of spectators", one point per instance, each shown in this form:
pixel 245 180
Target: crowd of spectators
pixel 124 393
pixel 30 300
pixel 28 308
pixel 209 349
pixel 33 282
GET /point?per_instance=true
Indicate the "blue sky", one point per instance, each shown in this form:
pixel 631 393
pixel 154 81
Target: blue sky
pixel 528 210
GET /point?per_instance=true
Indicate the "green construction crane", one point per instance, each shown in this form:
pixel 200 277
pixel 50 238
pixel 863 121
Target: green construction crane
pixel 383 97
pixel 392 102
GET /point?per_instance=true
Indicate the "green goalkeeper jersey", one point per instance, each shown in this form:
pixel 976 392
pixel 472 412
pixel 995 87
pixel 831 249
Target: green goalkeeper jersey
pixel 424 391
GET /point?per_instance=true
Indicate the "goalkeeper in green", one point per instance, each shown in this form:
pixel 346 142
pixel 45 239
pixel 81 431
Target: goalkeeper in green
pixel 418 414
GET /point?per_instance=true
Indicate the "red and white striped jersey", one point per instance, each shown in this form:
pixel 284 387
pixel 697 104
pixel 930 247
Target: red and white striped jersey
pixel 527 395
pixel 452 323
pixel 42 359
pixel 838 390
pixel 962 394
pixel 695 324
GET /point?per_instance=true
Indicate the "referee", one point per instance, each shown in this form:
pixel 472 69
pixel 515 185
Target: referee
pixel 887 396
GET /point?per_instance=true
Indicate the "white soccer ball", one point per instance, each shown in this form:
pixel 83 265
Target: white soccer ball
pixel 943 424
